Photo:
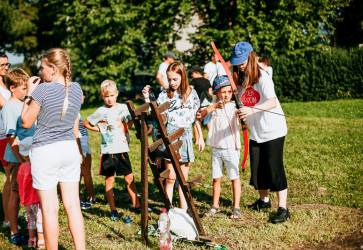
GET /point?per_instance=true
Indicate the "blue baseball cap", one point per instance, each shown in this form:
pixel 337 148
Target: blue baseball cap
pixel 240 53
pixel 220 82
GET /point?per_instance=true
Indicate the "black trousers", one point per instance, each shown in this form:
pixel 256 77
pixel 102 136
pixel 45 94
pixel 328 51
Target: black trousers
pixel 267 167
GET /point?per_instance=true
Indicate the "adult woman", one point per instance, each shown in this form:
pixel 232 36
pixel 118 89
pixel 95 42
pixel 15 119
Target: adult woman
pixel 55 105
pixel 266 122
pixel 4 96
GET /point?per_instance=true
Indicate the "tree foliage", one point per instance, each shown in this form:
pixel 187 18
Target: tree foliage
pixel 17 26
pixel 273 27
pixel 115 38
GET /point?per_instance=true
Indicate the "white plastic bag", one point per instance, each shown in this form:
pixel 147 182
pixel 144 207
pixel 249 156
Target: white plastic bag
pixel 182 224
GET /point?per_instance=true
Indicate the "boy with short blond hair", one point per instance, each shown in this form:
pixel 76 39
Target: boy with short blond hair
pixel 16 81
pixel 112 121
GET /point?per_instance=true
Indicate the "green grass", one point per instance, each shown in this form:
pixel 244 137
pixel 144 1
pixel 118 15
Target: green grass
pixel 324 165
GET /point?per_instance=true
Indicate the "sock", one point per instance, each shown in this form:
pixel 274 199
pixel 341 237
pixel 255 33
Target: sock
pixel 265 199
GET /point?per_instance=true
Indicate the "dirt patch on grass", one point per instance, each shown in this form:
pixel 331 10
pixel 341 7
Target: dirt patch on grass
pixel 343 240
pixel 348 241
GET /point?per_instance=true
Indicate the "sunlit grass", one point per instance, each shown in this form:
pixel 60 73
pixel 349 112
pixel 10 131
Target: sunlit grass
pixel 324 165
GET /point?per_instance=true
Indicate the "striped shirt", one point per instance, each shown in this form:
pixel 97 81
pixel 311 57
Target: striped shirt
pixel 82 130
pixel 50 127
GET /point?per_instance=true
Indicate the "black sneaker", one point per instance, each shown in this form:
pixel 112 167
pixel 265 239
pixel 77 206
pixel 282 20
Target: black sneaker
pixel 114 215
pixel 18 239
pixel 260 205
pixel 136 210
pixel 281 215
pixel 85 205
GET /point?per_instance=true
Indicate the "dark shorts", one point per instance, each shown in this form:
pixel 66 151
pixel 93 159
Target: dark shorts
pixel 115 163
pixel 267 167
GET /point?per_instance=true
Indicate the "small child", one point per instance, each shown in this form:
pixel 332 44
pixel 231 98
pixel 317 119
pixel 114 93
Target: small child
pixel 29 197
pixel 16 80
pixel 111 120
pixel 224 138
pixel 86 170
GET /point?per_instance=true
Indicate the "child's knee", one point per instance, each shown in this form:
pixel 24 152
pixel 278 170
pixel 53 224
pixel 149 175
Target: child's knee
pixel 129 179
pixel 109 182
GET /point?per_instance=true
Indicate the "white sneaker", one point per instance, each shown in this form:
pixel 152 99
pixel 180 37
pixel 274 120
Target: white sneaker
pixel 6 224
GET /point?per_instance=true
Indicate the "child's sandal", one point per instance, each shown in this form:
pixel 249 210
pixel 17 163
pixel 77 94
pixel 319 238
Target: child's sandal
pixel 212 211
pixel 236 214
pixel 32 242
pixel 41 244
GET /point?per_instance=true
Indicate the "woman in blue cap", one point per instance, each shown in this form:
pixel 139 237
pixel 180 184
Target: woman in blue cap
pixel 264 117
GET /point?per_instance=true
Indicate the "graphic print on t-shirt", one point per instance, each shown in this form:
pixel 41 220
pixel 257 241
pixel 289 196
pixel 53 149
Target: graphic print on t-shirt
pixel 250 97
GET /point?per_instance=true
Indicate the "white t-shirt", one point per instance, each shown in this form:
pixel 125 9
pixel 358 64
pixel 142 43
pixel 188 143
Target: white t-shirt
pixel 109 120
pixel 269 70
pixel 265 126
pixel 214 69
pixel 162 70
pixel 224 128
pixel 179 114
pixel 6 94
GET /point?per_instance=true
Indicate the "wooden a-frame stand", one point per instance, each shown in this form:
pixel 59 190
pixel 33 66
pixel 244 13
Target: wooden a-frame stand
pixel 171 144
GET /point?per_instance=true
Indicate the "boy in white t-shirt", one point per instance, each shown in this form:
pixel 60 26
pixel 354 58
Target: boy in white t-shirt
pixel 224 138
pixel 112 120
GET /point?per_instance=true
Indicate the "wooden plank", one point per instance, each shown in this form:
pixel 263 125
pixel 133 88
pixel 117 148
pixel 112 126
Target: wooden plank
pixel 135 118
pixel 144 179
pixel 142 108
pixel 178 133
pixel 176 145
pixel 165 174
pixel 163 107
pixel 176 165
pixel 155 145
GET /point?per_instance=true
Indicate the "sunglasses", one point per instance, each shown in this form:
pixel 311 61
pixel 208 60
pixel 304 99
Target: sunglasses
pixel 5 65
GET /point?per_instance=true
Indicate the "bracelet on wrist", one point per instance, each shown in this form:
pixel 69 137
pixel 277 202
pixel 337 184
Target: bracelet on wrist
pixel 28 99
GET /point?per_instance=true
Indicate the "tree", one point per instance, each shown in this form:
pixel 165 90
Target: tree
pixel 17 26
pixel 273 27
pixel 349 30
pixel 114 38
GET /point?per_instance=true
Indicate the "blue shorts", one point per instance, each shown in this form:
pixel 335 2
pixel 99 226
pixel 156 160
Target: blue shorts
pixel 84 145
pixel 186 150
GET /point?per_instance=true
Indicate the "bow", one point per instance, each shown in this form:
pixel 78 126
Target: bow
pixel 237 101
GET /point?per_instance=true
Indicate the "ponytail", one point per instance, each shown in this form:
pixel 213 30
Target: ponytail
pixel 67 78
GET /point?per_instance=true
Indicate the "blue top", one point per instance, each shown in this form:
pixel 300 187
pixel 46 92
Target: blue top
pixel 82 130
pixel 50 127
pixel 11 113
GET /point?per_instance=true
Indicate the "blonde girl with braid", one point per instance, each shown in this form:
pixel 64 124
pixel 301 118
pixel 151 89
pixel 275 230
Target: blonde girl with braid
pixel 55 104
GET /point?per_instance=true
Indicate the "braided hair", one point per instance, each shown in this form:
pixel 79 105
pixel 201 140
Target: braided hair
pixel 60 58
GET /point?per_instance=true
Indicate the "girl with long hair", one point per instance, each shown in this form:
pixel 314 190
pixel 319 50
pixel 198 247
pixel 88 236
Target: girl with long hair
pixel 184 104
pixel 55 105
pixel 264 117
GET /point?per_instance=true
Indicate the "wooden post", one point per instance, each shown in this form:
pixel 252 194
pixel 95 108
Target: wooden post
pixel 144 178
pixel 174 158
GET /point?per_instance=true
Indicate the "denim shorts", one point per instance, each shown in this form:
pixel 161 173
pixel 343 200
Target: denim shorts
pixel 186 150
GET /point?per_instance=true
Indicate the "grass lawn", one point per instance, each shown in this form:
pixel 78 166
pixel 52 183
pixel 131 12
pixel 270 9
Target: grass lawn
pixel 324 165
